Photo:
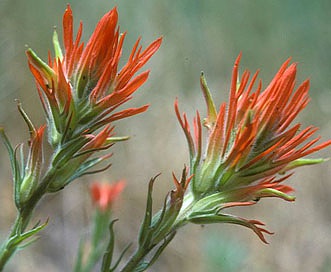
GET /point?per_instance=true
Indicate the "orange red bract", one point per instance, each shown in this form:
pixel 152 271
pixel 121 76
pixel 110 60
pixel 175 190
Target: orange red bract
pixel 82 86
pixel 81 89
pixel 250 141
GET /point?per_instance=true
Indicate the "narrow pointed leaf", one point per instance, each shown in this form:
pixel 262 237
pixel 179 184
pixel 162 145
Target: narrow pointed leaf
pixel 107 257
pixel 16 240
pixel 144 230
pixel 26 118
pixel 57 47
pixel 211 109
pixel 158 252
pixel 120 258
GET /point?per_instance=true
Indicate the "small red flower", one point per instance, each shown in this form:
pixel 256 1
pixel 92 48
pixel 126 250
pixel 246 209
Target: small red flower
pixel 104 194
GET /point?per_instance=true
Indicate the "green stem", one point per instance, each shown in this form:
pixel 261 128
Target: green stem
pixel 135 260
pixel 9 247
pixel 100 229
pixel 22 220
pixel 6 249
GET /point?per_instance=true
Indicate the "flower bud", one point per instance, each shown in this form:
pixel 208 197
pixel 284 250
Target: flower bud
pixel 33 167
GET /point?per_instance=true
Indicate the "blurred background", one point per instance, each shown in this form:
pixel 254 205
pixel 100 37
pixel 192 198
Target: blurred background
pixel 198 35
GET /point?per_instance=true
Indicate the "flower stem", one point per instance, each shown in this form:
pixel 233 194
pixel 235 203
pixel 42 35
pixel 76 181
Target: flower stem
pixel 135 260
pixel 6 249
pixel 9 247
pixel 18 234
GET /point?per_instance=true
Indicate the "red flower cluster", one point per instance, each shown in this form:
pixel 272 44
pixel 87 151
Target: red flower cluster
pixel 81 90
pixel 250 142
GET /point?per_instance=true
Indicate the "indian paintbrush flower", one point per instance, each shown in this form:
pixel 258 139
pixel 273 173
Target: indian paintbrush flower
pixel 81 89
pixel 104 194
pixel 251 146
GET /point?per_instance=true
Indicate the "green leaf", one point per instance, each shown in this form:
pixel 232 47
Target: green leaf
pixel 66 151
pixel 111 140
pixel 40 64
pixel 107 257
pixel 158 252
pixel 144 233
pixel 226 218
pixel 141 267
pixel 302 162
pixel 10 151
pixel 210 204
pixel 19 238
pixel 120 257
pixel 211 109
pixel 14 165
pixel 157 220
pixel 57 47
pixel 26 118
pixel 82 170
